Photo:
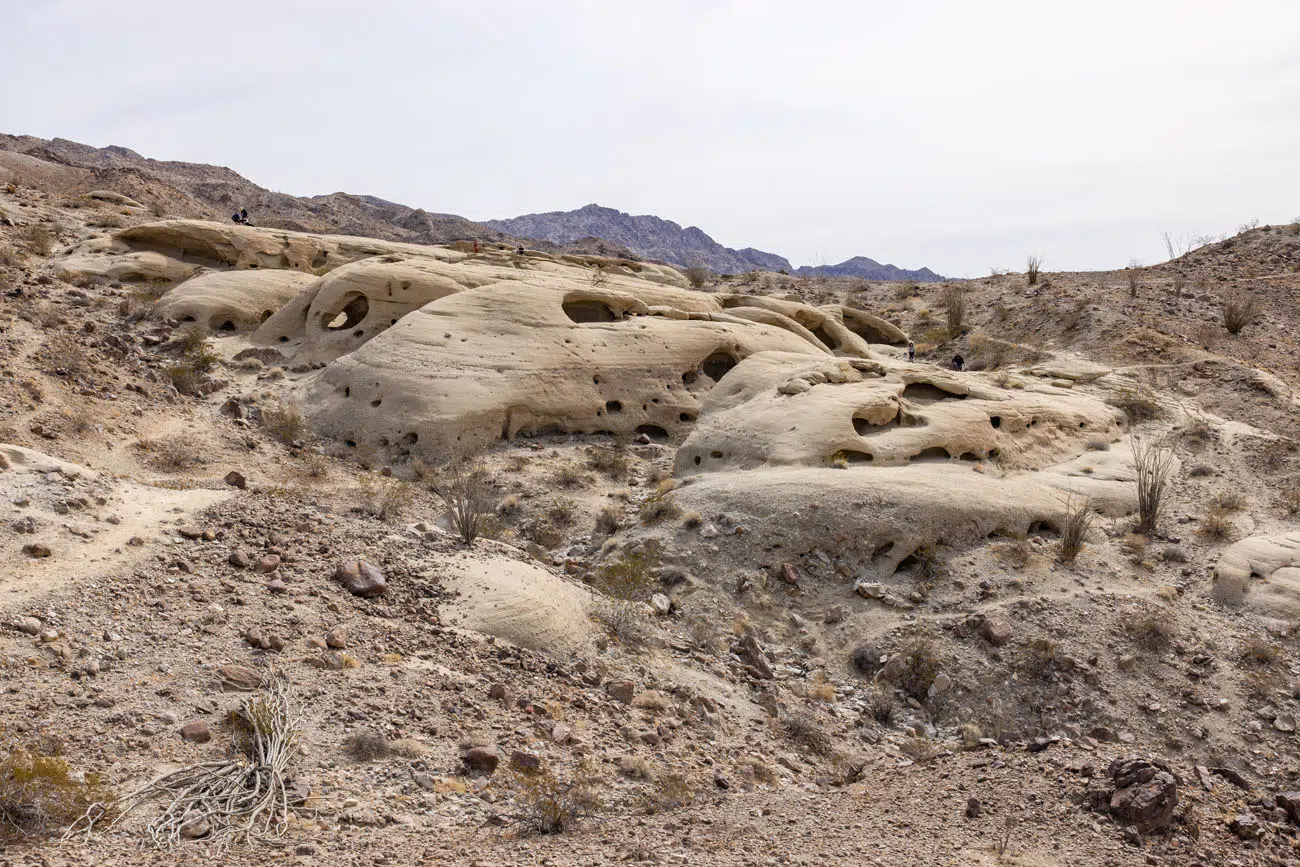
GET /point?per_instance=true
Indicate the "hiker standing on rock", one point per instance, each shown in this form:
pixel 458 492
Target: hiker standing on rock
pixel 911 351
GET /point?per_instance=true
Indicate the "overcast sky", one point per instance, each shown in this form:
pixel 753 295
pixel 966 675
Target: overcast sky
pixel 957 135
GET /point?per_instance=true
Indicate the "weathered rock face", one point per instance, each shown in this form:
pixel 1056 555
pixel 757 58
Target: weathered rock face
pixel 1274 559
pixel 231 300
pixel 516 358
pixel 1146 793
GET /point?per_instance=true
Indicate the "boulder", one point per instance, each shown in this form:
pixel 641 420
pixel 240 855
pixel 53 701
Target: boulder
pixel 997 631
pixel 483 759
pixel 1145 794
pixel 239 678
pixel 196 732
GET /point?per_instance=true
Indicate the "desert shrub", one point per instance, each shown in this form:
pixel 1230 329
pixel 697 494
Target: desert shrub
pixel 367 746
pixel 881 706
pixel 659 507
pixel 1240 308
pixel 1138 404
pixel 918 748
pixel 466 489
pixel 1150 632
pixel 607 521
pixel 822 689
pixel 1173 554
pixel 702 635
pixel 954 300
pixel 285 422
pixel 1074 530
pixel 568 476
pixel 384 497
pixel 1097 444
pixel 37 239
pixel 865 658
pixel 1132 276
pixel 635 767
pixel 1039 657
pixel 611 461
pixel 626 620
pixel 1152 463
pixel 186 378
pixel 914 668
pixel 1033 265
pixel 652 700
pixel 40 794
pixel 1259 651
pixel 628 576
pixel 697 276
pixel 562 512
pixel 598 277
pixel 1200 471
pixel 1228 501
pixel 926 562
pixel 545 804
pixel 106 221
pixel 191 338
pixel 670 791
pixel 1216 527
pixel 170 453
pixel 804 729
pixel 1290 501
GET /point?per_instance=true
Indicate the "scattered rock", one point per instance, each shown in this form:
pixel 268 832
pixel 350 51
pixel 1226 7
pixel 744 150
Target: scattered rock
pixel 268 564
pixel 239 678
pixel 361 579
pixel 751 652
pixel 528 763
pixel 337 637
pixel 238 559
pixel 483 759
pixel 997 631
pixel 37 550
pixel 29 626
pixel 196 732
pixel 236 479
pixel 195 826
pixel 973 808
pixel 305 849
pixel 621 690
pixel 1146 792
pixel 661 604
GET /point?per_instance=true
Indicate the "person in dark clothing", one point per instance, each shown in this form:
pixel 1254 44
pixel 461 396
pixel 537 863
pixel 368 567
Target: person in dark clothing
pixel 236 218
pixel 958 362
pixel 243 216
pixel 520 251
pixel 911 351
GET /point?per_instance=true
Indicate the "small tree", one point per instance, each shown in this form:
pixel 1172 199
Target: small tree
pixel 1032 266
pixel 954 299
pixel 1152 463
pixel 1240 308
pixel 1132 273
pixel 465 488
pixel 697 275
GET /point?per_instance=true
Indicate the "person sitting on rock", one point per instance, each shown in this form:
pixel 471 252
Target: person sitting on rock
pixel 235 216
pixel 911 351
pixel 958 362
pixel 520 251
pixel 243 216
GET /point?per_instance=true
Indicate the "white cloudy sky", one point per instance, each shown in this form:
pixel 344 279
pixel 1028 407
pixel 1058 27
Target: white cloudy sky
pixel 949 133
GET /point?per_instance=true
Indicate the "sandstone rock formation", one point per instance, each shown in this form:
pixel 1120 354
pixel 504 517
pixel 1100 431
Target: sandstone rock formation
pixel 1267 570
pixel 231 300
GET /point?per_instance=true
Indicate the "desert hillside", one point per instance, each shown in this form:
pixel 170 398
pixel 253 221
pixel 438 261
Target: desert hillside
pixel 337 540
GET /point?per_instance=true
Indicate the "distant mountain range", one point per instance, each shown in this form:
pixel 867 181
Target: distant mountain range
pixel 201 191
pixel 663 240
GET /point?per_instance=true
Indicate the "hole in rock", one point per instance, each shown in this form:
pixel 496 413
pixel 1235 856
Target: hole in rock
pixel 266 314
pixel 995 420
pixel 697 460
pixel 284 339
pixel 854 456
pixel 969 456
pixel 718 365
pixel 928 391
pixel 933 453
pixel 613 407
pixel 351 312
pixel 226 326
pixel 358 333
pixel 350 443
pixel 347 391
pixel 882 550
pixel 685 416
pixel 653 431
pixel 689 377
pixel 411 438
pixel 377 401
pixel 589 311
pixel 716 455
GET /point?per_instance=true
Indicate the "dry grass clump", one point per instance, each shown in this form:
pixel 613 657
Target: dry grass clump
pixel 170 453
pixel 367 746
pixel 635 767
pixel 652 700
pixel 568 476
pixel 384 497
pixel 881 706
pixel 671 791
pixel 628 576
pixel 1229 591
pixel 1240 308
pixel 545 804
pixel 1152 462
pixel 1228 501
pixel 1259 651
pixel 659 507
pixel 1079 517
pixel 607 521
pixel 1216 527
pixel 1040 657
pixel 467 490
pixel 285 422
pixel 1150 632
pixel 40 794
pixel 1290 501
pixel 562 512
